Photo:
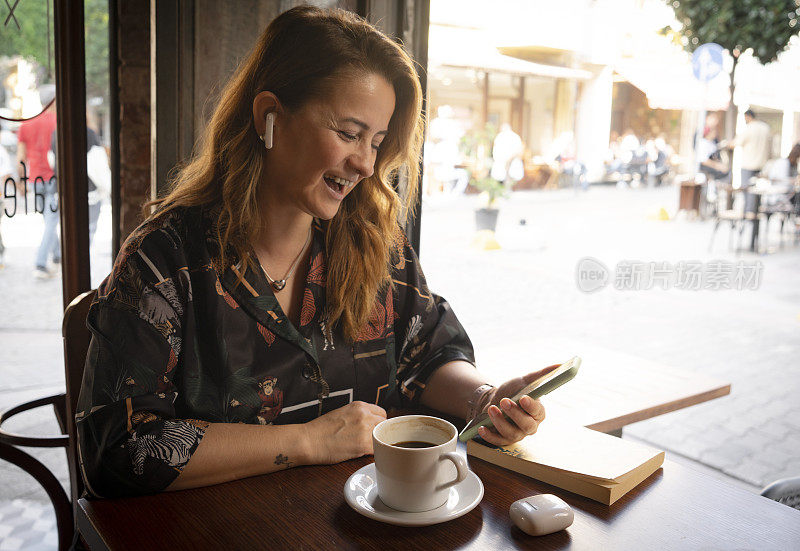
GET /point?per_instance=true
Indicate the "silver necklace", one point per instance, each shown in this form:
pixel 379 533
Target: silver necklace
pixel 279 284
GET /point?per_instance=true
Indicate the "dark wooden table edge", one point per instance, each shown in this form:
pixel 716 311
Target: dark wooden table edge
pixel 87 529
pixel 587 506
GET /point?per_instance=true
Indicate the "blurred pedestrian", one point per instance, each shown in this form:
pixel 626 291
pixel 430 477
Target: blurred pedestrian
pixel 708 155
pixel 507 150
pixel 8 134
pixel 629 144
pixel 612 160
pixel 794 156
pixel 34 143
pixel 97 172
pixel 657 161
pixel 444 134
pixel 6 172
pixel 755 143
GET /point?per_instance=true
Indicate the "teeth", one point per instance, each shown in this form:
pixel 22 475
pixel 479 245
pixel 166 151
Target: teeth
pixel 341 181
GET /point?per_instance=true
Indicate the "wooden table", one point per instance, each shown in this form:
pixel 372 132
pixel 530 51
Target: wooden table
pixel 304 508
pixel 779 186
pixel 689 197
pixel 758 193
pixel 612 389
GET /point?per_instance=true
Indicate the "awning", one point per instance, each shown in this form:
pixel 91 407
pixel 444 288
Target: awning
pixel 673 86
pixel 471 49
pixel 776 85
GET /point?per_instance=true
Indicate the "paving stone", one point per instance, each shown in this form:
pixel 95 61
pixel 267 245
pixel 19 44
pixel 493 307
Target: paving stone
pixel 757 440
pixel 752 471
pixel 669 437
pixel 743 425
pixel 20 524
pixel 727 455
pixel 792 442
pixel 776 429
pixel 773 410
pixel 749 403
pixel 11 544
pixel 792 467
pixel 732 351
pixel 717 435
pixel 695 447
pixel 792 418
pixel 779 458
pixel 774 476
pixel 10 511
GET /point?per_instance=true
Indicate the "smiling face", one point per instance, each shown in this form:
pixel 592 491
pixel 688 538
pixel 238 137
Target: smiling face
pixel 322 150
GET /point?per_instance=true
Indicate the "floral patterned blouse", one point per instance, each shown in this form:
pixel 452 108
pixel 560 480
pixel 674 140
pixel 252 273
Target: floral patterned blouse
pixel 177 344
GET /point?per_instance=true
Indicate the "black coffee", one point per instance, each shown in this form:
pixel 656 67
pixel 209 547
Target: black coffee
pixel 414 444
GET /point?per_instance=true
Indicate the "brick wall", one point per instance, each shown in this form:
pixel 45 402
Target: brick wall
pixel 134 105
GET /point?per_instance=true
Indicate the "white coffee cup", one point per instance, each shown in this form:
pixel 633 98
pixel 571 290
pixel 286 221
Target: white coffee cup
pixel 416 479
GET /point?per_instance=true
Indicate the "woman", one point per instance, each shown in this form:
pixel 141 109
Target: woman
pixel 794 156
pixel 708 155
pixel 270 309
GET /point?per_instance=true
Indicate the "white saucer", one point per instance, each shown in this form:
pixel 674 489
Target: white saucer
pixel 361 493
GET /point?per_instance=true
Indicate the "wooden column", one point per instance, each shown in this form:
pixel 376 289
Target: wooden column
pixel 171 90
pixel 71 141
pixel 406 21
pixel 419 11
pixel 485 100
pixel 114 113
pixel 519 108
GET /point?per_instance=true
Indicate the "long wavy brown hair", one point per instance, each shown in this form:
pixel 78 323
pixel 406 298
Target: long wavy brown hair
pixel 299 55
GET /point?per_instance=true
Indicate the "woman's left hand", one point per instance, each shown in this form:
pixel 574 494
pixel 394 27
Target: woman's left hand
pixel 523 419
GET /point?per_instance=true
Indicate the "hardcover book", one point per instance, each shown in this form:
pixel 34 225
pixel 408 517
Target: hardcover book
pixel 590 463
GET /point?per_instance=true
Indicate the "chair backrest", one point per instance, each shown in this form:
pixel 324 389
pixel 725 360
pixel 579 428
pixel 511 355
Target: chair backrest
pixel 76 344
pixel 786 491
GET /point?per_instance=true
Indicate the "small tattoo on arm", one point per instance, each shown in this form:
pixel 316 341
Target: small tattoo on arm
pixel 281 459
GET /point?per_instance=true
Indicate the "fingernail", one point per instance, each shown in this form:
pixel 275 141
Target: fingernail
pixel 505 403
pixel 525 400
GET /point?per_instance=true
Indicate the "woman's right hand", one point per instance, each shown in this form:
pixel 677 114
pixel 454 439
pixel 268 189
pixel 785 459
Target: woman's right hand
pixel 343 433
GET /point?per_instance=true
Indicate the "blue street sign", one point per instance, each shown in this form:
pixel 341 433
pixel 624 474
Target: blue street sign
pixel 707 61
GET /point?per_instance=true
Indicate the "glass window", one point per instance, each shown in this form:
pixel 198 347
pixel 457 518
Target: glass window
pixel 570 220
pixel 31 347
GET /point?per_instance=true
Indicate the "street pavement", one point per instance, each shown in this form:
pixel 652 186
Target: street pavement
pixel 31 366
pixel 527 291
pixel 512 297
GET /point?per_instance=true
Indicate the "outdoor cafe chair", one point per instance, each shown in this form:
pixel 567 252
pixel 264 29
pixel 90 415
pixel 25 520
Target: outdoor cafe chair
pixel 786 491
pixel 76 343
pixel 733 216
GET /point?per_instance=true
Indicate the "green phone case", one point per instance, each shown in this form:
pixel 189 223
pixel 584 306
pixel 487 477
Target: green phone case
pixel 548 386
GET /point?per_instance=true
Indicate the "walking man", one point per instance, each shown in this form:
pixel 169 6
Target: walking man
pixel 34 143
pixel 755 144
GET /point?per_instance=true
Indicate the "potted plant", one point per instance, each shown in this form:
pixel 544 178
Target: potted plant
pixel 486 217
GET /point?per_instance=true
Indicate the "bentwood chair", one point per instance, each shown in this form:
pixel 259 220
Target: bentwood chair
pixel 786 491
pixel 735 217
pixel 76 343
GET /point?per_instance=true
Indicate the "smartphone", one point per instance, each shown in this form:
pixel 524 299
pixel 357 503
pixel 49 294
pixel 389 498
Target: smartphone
pixel 538 388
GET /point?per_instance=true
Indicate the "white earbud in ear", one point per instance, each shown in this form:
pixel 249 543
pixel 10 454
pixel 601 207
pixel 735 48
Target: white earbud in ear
pixel 270 120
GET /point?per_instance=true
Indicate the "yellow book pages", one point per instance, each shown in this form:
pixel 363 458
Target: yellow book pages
pixel 629 481
pixel 585 452
pixel 587 487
